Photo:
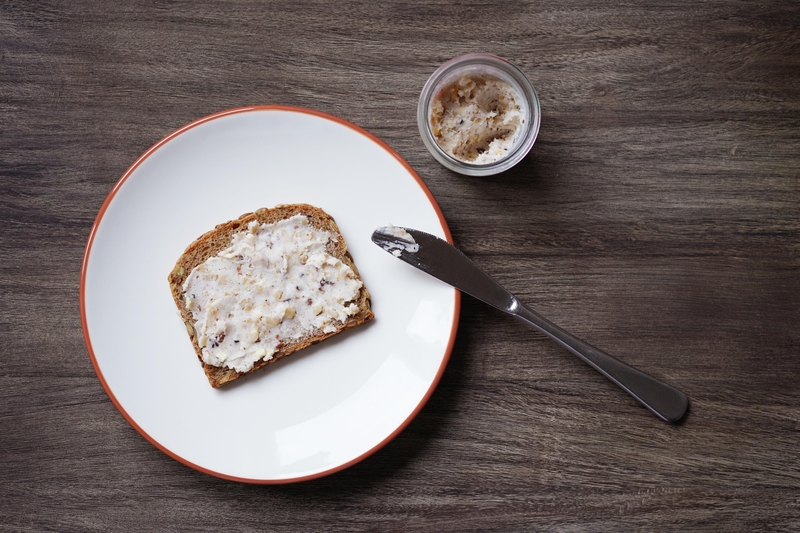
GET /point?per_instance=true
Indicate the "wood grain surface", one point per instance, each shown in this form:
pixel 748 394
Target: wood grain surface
pixel 657 217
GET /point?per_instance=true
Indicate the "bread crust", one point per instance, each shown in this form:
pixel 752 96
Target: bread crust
pixel 212 242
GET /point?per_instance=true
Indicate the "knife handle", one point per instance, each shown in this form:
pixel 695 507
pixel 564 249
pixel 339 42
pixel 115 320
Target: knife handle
pixel 667 402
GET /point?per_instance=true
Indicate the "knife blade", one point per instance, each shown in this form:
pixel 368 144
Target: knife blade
pixel 444 261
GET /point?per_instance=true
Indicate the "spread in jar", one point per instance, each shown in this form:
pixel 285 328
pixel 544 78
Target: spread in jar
pixel 477 118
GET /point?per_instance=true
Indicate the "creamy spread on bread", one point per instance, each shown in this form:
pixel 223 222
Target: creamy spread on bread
pixel 275 283
pixel 477 118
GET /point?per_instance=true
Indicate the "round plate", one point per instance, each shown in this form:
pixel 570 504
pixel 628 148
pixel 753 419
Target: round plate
pixel 321 409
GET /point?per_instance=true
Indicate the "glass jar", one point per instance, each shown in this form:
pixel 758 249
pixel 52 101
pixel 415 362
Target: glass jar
pixel 483 66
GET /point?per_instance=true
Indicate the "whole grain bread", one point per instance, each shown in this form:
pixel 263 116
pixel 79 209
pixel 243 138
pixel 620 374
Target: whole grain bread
pixel 219 239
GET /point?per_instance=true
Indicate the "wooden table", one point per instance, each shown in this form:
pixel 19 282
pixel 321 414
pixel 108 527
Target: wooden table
pixel 657 217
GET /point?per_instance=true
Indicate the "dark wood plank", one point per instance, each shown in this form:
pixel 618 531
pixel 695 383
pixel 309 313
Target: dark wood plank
pixel 658 217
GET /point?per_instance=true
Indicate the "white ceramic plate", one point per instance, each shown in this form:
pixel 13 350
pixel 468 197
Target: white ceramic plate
pixel 319 410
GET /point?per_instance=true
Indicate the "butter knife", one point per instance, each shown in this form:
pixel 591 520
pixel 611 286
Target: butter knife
pixel 441 260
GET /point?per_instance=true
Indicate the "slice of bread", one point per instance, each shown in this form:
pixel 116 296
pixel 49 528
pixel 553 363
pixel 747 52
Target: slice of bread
pixel 220 238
